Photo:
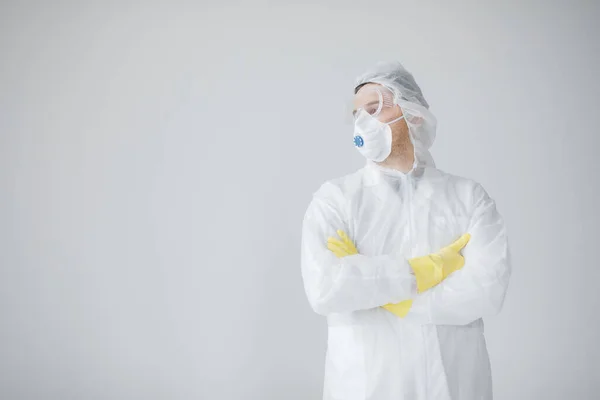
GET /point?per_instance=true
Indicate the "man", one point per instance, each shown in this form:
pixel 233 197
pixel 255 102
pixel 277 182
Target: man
pixel 382 258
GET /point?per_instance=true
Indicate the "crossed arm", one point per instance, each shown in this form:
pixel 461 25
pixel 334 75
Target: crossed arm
pixel 354 282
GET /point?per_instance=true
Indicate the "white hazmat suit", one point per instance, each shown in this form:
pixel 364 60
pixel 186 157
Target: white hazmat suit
pixel 438 350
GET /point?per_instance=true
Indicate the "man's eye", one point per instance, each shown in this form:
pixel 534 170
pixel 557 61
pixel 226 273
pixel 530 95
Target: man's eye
pixel 371 109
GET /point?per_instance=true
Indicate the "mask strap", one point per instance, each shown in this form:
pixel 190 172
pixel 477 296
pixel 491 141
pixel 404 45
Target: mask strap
pixel 396 120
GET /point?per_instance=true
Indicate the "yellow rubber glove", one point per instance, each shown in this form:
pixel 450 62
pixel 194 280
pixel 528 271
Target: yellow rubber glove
pixel 341 248
pixel 400 309
pixel 430 270
pixel 433 268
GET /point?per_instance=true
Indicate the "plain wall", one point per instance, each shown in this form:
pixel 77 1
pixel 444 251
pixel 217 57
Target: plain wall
pixel 156 162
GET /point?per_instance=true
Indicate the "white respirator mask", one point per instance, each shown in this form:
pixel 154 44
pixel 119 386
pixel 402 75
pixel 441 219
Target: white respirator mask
pixel 373 138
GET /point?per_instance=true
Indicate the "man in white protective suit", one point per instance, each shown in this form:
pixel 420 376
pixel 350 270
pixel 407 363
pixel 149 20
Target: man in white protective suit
pixel 403 259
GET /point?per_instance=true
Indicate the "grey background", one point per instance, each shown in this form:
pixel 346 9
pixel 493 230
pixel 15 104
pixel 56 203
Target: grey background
pixel 156 162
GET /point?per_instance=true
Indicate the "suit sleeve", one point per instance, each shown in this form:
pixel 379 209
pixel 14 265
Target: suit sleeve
pixel 478 289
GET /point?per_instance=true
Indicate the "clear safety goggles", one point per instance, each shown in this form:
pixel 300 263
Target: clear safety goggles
pixel 373 99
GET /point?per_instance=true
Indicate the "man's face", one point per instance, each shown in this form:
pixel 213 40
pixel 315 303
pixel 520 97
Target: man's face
pixel 378 101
